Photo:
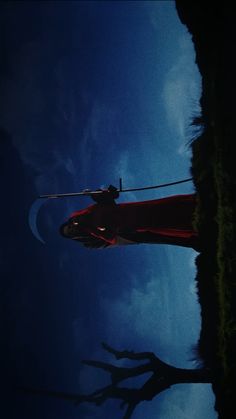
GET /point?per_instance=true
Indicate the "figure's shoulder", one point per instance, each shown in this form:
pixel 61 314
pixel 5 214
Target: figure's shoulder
pixel 84 211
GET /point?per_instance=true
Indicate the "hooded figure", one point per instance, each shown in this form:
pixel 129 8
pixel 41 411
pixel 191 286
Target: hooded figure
pixel 160 221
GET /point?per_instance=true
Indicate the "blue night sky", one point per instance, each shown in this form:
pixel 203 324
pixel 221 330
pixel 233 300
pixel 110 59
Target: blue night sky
pixel 91 92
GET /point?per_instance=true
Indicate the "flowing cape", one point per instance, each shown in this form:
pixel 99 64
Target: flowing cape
pixel 166 220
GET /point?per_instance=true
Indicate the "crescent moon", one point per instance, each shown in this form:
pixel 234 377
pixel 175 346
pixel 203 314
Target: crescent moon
pixel 32 218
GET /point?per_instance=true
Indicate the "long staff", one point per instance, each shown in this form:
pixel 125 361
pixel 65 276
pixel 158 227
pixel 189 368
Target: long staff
pixel 88 192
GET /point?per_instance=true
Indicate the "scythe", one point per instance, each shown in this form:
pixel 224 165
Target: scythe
pixel 37 204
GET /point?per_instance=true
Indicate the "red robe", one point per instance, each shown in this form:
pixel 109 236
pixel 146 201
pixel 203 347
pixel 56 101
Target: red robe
pixel 166 220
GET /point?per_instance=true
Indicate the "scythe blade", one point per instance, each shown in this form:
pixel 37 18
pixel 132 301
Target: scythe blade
pixel 32 218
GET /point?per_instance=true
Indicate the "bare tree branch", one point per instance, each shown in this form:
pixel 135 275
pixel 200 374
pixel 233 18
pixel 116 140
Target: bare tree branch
pixel 155 362
pixel 129 354
pixel 119 374
pixel 163 376
pixel 130 411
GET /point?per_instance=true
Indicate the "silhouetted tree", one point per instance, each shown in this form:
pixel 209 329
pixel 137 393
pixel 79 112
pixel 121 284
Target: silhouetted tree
pixel 163 377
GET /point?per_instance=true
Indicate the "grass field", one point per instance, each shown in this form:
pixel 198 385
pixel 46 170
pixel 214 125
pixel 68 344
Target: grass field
pixel 214 173
pixel 215 220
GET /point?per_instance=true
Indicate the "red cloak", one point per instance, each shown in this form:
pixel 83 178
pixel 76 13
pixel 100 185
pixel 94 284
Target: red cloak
pixel 167 220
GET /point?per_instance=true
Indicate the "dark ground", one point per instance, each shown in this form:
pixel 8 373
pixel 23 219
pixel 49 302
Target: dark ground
pixel 213 168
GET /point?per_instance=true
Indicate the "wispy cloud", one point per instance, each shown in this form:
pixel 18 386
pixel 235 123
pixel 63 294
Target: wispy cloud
pixel 181 94
pixel 123 170
pixel 146 314
pixel 191 400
